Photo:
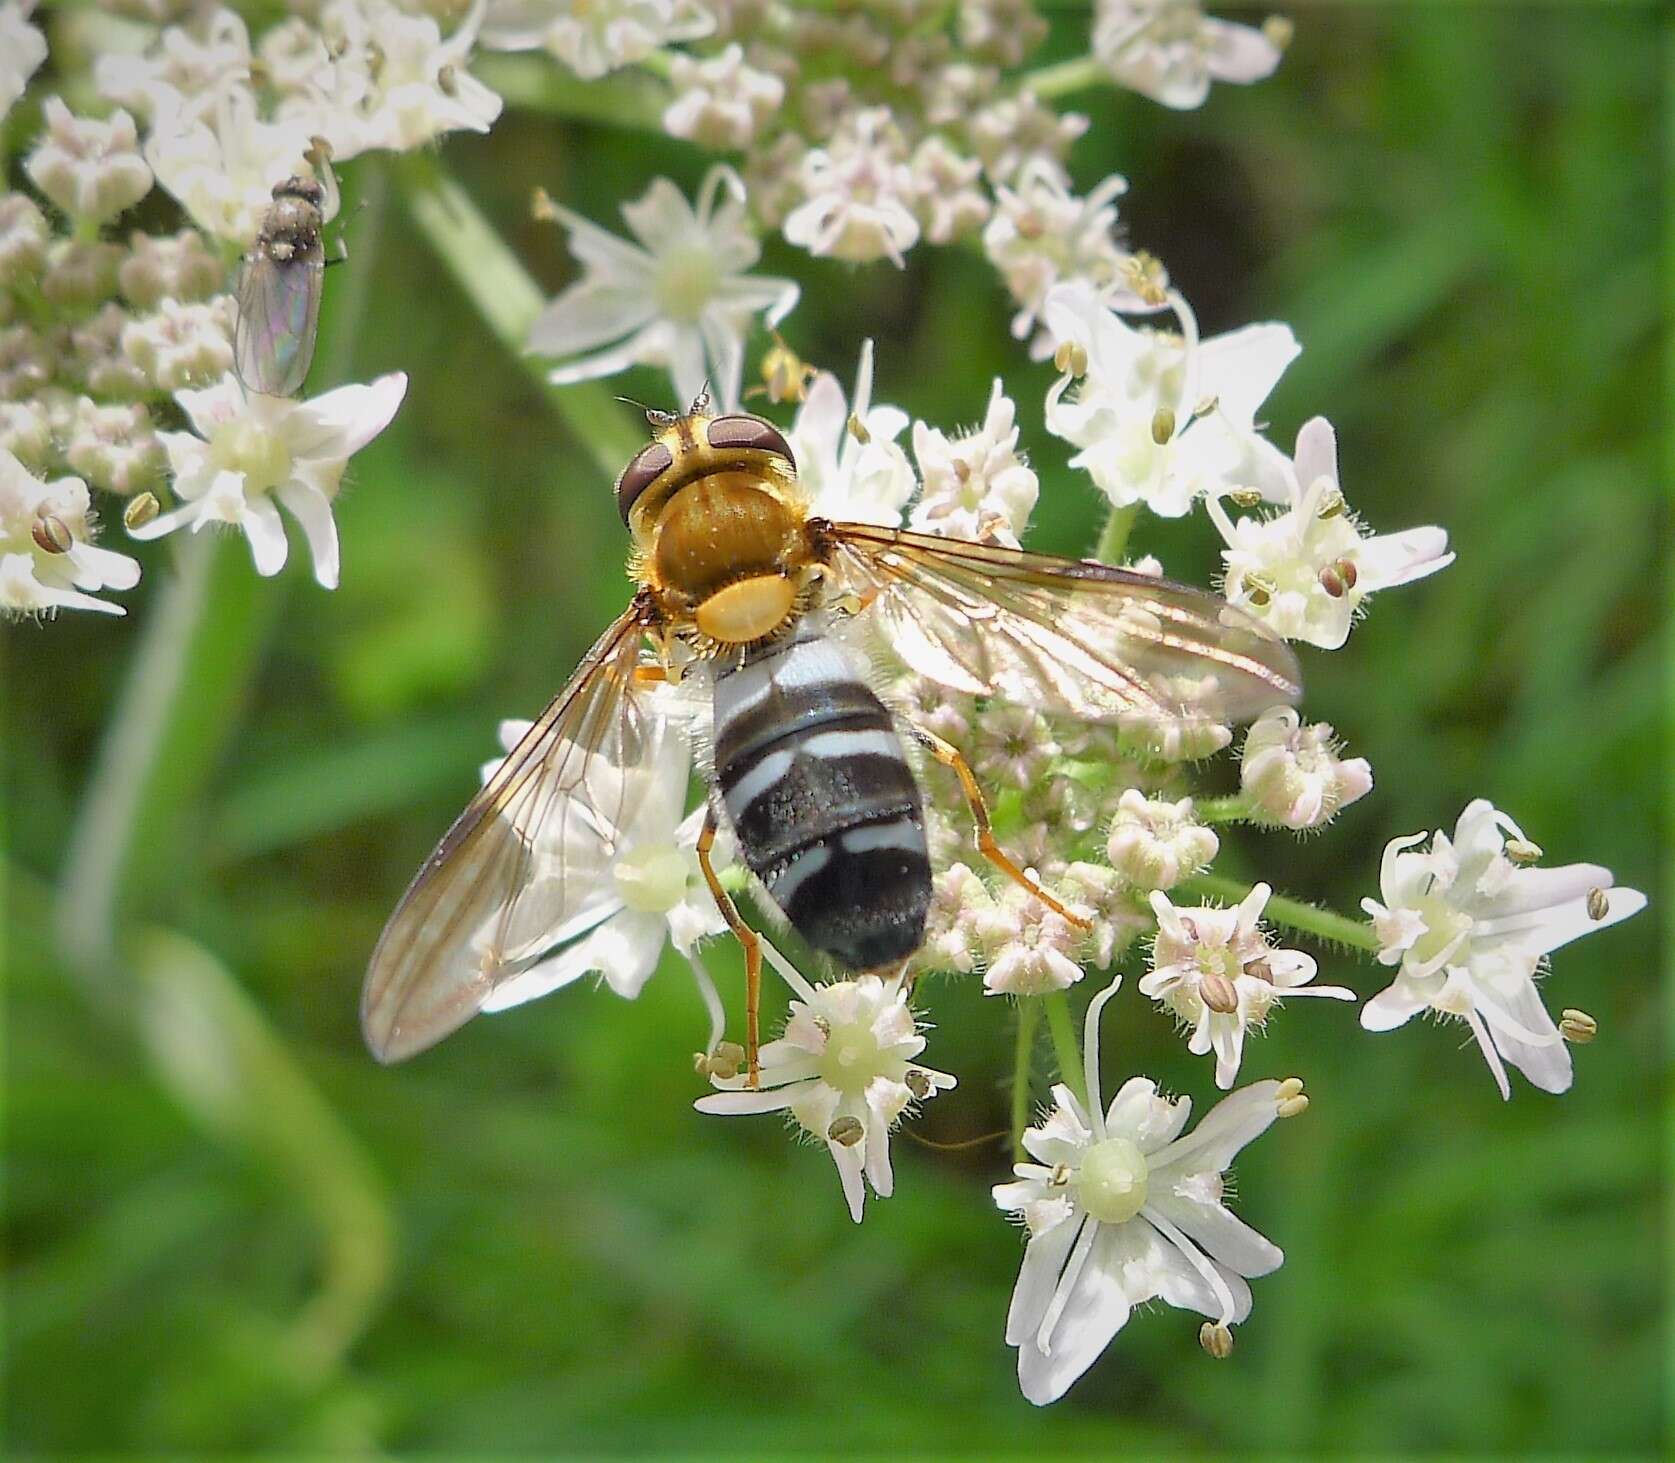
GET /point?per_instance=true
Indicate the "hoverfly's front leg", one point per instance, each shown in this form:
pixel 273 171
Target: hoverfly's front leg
pixel 747 937
pixel 950 756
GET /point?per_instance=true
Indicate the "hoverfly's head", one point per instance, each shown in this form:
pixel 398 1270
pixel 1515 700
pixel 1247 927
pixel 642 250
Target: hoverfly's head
pixel 697 445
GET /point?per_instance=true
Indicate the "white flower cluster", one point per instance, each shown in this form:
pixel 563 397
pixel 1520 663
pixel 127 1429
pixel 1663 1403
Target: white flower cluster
pixel 1121 1204
pixel 866 129
pixel 862 131
pixel 230 115
pixel 107 342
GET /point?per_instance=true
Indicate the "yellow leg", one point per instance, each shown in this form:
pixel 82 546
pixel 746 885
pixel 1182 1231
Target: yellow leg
pixel 950 756
pixel 747 937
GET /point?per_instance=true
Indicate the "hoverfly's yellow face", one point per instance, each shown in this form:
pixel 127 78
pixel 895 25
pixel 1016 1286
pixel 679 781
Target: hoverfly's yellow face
pixel 718 525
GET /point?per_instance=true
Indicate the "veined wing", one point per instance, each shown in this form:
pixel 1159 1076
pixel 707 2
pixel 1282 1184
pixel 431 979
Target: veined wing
pixel 521 869
pixel 278 318
pixel 1094 641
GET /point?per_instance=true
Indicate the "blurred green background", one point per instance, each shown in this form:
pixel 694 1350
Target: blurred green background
pixel 227 1229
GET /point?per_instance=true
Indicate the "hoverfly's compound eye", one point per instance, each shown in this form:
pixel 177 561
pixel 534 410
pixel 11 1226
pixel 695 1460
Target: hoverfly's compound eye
pixel 649 464
pixel 752 433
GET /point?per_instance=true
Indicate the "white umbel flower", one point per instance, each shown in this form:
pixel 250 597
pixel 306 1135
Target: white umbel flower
pixel 252 450
pixel 1155 843
pixel 398 82
pixel 1030 948
pixel 221 162
pixel 47 561
pixel 1307 571
pixel 720 101
pixel 682 298
pixel 1468 930
pixel 1121 1209
pixel 860 476
pixel 1170 51
pixel 845 1070
pixel 593 37
pixel 976 486
pixel 1292 773
pixel 1162 419
pixel 89 166
pixel 1043 235
pixel 1216 971
pixel 859 191
pixel 182 73
pixel 633 886
pixel 22 49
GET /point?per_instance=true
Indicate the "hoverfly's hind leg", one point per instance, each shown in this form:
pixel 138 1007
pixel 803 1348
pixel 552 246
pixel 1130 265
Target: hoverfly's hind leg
pixel 951 757
pixel 747 937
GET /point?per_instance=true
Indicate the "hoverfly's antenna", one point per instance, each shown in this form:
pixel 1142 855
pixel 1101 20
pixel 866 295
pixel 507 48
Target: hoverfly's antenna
pixel 654 417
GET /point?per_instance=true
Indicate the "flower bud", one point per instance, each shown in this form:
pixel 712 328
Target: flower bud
pixel 23 240
pixel 26 363
pixel 91 168
pixel 26 432
pixel 1293 775
pixel 1156 844
pixel 114 447
pixel 81 274
pixel 180 267
pixel 182 344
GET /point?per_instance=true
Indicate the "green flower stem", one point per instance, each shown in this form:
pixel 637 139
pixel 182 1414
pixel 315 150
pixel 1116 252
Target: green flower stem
pixel 1029 1022
pixel 1324 924
pixel 1066 77
pixel 188 675
pixel 536 83
pixel 1067 1050
pixel 1233 809
pixel 1113 538
pixel 509 300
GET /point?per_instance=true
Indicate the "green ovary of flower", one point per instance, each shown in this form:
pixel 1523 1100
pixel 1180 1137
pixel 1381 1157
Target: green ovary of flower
pixel 686 281
pixel 1443 925
pixel 1218 960
pixel 651 880
pixel 261 455
pixel 1112 1181
pixel 852 1057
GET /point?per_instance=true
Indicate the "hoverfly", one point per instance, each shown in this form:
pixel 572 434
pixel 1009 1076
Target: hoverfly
pixel 279 285
pixel 739 582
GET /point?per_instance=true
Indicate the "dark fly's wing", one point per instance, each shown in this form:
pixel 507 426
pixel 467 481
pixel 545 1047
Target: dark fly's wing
pixel 519 870
pixel 278 318
pixel 1070 635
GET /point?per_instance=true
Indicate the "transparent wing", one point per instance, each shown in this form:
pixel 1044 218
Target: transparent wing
pixel 523 868
pixel 278 318
pixel 1070 635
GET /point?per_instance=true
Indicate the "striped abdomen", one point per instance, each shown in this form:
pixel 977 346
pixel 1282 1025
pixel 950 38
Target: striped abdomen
pixel 824 804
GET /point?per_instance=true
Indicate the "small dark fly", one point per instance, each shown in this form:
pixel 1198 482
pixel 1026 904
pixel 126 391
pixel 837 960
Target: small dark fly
pixel 279 286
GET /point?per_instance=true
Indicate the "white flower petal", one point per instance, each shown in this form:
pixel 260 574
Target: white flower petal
pixel 1097 1309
